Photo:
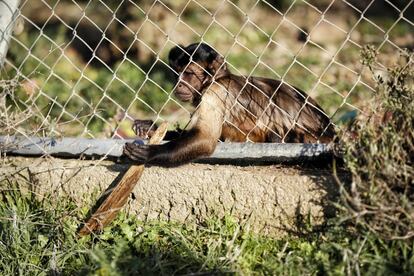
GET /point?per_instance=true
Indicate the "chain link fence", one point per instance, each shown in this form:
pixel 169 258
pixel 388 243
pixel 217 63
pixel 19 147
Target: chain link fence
pixel 89 68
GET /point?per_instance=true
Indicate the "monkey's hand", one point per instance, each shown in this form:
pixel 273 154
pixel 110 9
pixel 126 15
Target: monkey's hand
pixel 144 128
pixel 137 153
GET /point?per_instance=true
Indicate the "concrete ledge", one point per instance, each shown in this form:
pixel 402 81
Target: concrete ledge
pixel 275 199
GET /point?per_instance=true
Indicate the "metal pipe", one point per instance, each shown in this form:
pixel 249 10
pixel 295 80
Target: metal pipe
pixel 112 148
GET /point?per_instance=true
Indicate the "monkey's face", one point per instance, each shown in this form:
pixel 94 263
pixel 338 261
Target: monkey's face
pixel 196 66
pixel 191 82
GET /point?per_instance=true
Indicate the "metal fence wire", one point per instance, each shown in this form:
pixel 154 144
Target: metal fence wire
pixel 89 68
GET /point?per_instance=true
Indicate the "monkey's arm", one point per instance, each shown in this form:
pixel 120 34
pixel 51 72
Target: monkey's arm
pixel 191 145
pixel 199 141
pixel 174 134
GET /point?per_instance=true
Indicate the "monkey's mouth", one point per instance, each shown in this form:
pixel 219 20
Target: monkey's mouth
pixel 184 93
pixel 184 96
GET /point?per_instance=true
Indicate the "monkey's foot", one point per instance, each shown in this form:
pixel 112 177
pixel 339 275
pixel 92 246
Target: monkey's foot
pixel 144 128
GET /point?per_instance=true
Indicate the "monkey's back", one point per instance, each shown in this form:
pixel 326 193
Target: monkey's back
pixel 268 110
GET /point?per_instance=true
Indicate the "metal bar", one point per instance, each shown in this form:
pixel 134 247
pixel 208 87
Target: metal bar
pixel 112 148
pixel 8 15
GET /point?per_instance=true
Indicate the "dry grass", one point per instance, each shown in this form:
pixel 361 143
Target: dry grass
pixel 380 155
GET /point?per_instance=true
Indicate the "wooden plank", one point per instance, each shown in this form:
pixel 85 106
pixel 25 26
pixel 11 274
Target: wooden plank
pixel 118 196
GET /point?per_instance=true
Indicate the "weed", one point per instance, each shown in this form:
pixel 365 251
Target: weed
pixel 380 156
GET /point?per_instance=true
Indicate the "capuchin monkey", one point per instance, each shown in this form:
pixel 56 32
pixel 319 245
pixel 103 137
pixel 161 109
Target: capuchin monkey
pixel 229 108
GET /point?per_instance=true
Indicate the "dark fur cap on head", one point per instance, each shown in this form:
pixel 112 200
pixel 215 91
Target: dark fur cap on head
pixel 179 56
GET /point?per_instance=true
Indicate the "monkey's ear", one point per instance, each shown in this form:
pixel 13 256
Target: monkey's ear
pixel 218 67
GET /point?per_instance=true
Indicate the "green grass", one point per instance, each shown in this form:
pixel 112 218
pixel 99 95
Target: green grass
pixel 38 238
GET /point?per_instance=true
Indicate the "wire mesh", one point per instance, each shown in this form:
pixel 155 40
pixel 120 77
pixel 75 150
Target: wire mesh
pixel 89 68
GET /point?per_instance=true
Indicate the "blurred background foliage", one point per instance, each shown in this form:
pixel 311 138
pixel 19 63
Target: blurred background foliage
pixel 93 66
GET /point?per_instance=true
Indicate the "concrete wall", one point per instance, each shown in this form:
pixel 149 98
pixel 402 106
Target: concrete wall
pixel 274 199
